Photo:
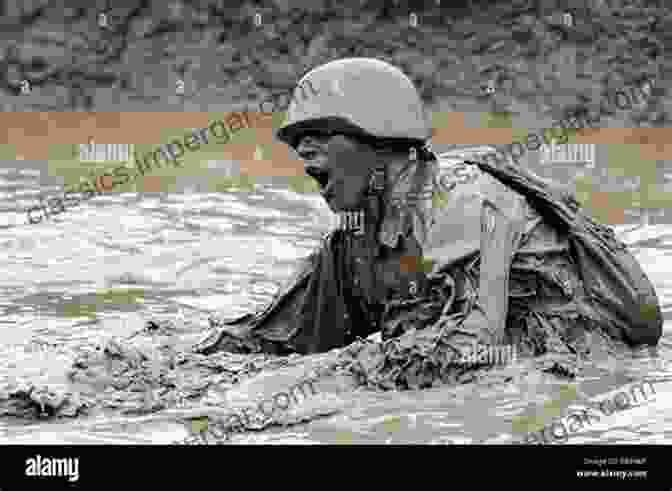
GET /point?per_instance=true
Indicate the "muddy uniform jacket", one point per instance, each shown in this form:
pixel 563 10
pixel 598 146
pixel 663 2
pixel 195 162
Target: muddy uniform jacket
pixel 503 271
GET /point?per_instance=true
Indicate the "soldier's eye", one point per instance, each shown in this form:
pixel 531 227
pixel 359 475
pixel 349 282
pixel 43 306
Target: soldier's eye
pixel 308 155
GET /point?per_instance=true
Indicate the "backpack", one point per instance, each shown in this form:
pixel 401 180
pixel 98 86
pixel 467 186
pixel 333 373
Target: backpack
pixel 613 278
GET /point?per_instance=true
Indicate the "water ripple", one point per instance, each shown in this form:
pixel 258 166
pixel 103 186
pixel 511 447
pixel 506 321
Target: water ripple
pixel 99 270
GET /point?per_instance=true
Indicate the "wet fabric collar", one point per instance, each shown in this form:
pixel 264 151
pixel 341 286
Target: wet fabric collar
pixel 408 203
pixel 407 210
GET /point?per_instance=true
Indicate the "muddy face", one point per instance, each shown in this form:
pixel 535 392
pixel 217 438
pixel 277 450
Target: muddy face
pixel 340 165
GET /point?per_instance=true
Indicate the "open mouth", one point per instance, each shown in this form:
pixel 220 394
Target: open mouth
pixel 321 176
pixel 323 180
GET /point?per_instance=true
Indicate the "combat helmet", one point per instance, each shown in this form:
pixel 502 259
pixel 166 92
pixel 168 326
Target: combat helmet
pixel 362 97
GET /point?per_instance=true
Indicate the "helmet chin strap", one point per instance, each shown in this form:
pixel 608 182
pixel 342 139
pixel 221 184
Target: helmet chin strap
pixel 377 181
pixel 359 221
pixel 369 217
pixel 375 195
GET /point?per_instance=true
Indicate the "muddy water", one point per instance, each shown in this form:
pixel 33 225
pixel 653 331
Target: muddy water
pixel 100 271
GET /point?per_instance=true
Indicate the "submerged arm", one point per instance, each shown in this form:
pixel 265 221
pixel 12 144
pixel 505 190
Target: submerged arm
pixel 275 320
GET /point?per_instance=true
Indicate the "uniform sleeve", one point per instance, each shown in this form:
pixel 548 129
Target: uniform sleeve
pixel 256 332
pixel 500 237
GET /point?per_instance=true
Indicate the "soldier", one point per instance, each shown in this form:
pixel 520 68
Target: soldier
pixel 491 256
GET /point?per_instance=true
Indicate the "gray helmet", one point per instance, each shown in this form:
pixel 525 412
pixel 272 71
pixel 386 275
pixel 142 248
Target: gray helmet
pixel 363 97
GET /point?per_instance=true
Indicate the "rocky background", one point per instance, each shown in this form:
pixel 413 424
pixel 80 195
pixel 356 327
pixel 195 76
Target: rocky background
pixel 539 63
pixel 483 67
